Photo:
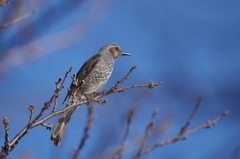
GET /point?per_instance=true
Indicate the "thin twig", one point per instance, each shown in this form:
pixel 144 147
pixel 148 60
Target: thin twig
pixel 31 108
pixel 61 87
pixel 18 19
pixel 75 79
pixel 6 148
pixel 86 130
pixel 209 124
pixel 148 129
pixel 120 151
pixel 120 89
pixel 125 78
pixel 56 94
pixel 48 126
pixel 7 141
pixel 185 127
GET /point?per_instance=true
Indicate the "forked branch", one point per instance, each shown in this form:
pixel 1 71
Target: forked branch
pixel 33 122
pixel 183 132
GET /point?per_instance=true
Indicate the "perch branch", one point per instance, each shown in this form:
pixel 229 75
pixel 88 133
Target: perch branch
pixel 59 86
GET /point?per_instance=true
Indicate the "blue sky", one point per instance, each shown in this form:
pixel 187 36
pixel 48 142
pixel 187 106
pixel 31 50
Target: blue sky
pixel 190 46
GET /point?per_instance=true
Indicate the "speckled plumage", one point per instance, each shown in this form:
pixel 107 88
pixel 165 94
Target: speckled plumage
pixel 95 73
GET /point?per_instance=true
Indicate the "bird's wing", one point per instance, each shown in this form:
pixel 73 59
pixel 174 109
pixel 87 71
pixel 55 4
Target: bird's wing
pixel 84 71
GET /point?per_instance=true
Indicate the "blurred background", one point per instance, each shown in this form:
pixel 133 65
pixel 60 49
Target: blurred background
pixel 193 47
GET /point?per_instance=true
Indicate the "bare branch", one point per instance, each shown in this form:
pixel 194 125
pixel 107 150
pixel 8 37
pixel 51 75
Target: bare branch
pixel 57 93
pixel 55 96
pixel 10 145
pixel 5 122
pixel 3 2
pixel 59 86
pixel 18 19
pixel 48 104
pixel 31 108
pixel 101 101
pixel 125 78
pixel 209 124
pixel 32 123
pixel 148 129
pixel 95 97
pixel 185 127
pixel 86 130
pixel 181 135
pixel 6 146
pixel 113 90
pixel 75 80
pixel 48 126
pixel 120 151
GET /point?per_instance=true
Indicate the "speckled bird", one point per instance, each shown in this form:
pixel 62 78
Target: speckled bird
pixel 95 72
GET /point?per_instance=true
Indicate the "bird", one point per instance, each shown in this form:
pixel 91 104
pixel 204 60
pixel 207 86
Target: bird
pixel 95 72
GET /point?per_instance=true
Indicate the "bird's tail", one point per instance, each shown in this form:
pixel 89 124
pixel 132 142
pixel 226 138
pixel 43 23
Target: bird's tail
pixel 63 121
pixel 61 126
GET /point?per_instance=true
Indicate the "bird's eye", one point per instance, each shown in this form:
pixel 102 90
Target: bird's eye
pixel 116 48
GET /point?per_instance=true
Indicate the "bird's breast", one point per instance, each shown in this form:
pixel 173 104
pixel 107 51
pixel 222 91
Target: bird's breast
pixel 98 77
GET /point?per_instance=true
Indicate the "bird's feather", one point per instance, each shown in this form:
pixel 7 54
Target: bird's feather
pixel 84 71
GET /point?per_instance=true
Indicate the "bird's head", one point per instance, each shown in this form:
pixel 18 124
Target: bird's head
pixel 114 50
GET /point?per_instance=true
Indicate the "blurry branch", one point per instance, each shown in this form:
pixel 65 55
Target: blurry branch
pixel 10 145
pixel 236 152
pixel 37 48
pixel 184 131
pixel 86 130
pixel 3 2
pixel 209 124
pixel 148 129
pixel 185 127
pixel 18 19
pixel 119 152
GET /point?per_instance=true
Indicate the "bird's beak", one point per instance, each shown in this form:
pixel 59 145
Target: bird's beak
pixel 126 54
